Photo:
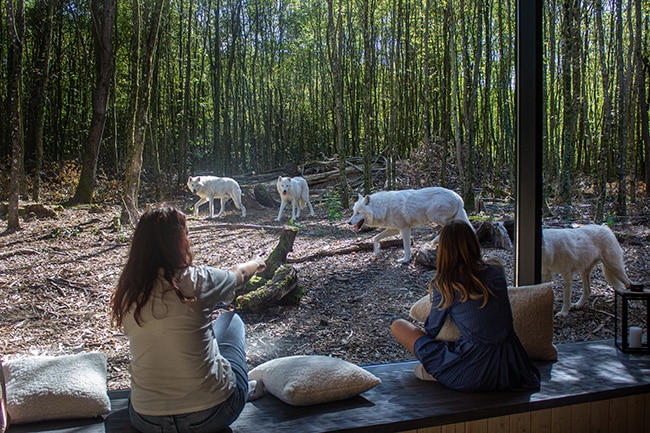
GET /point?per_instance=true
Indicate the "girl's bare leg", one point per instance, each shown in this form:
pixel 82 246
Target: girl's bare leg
pixel 406 333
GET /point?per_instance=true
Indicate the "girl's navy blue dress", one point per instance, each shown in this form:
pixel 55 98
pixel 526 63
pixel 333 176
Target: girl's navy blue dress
pixel 488 356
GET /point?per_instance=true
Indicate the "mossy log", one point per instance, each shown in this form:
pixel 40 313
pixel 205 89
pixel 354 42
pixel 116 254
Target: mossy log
pixel 283 282
pixel 278 284
pixel 278 256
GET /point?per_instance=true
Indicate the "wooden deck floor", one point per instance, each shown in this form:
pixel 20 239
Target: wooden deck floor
pixel 585 374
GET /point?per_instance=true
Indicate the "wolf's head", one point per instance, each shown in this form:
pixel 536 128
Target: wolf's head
pixel 194 183
pixel 361 213
pixel 284 185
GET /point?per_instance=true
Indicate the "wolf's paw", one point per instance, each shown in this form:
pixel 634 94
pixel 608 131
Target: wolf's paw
pixel 404 260
pixel 561 314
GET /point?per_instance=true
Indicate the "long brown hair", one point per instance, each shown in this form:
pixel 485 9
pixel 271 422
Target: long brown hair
pixel 159 242
pixel 458 265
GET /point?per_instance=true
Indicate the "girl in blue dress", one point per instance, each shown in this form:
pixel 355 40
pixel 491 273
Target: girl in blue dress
pixel 488 356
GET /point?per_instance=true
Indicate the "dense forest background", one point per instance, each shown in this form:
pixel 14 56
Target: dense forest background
pixel 111 92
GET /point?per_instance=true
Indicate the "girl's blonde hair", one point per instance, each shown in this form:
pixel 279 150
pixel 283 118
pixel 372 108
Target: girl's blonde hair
pixel 459 263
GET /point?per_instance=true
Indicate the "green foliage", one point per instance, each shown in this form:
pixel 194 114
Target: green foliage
pixel 481 217
pixel 334 207
pixel 261 99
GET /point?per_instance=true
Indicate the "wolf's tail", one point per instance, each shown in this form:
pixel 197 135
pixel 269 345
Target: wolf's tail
pixel 614 271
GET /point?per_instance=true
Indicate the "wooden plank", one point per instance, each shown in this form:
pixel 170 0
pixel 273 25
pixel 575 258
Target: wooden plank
pixel 599 416
pixel 618 414
pixel 499 424
pixel 436 429
pixel 647 412
pixel 561 419
pixel 477 426
pixel 540 421
pixel 636 413
pixel 580 414
pixel 453 428
pixel 520 422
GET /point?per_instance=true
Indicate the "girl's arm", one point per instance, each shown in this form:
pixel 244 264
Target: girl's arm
pixel 244 271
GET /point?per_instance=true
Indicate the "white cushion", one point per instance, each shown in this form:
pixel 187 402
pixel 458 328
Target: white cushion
pixel 304 380
pixel 56 387
pixel 532 314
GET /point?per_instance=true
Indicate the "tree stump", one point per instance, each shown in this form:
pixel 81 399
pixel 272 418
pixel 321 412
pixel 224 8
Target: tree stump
pixel 278 256
pixel 278 284
pixel 263 197
pixel 495 234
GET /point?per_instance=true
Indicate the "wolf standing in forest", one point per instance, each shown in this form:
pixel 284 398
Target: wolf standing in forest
pixel 211 187
pixel 399 211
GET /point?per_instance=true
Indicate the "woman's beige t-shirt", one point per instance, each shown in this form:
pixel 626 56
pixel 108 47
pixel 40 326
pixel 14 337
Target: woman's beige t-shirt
pixel 176 366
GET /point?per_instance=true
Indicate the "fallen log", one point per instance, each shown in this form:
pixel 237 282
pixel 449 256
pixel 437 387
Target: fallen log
pixel 364 246
pixel 282 284
pixel 233 226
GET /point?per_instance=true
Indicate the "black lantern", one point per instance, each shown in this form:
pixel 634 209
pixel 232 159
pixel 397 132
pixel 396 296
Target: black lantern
pixel 632 314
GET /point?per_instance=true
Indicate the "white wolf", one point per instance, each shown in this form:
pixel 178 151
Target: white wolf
pixel 294 190
pixel 569 251
pixel 211 187
pixel 399 211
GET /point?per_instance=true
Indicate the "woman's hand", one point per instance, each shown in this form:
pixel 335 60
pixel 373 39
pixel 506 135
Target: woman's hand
pixel 244 271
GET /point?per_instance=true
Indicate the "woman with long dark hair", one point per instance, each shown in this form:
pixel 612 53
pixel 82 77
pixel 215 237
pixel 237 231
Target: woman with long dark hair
pixel 488 356
pixel 188 373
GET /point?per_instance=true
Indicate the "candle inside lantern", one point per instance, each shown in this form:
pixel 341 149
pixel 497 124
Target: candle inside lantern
pixel 635 337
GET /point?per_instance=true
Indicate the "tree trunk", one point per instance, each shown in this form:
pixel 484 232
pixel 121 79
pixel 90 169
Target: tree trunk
pixel 571 49
pixel 641 85
pixel 103 12
pixel 606 134
pixel 334 43
pixel 147 45
pixel 38 93
pixel 16 27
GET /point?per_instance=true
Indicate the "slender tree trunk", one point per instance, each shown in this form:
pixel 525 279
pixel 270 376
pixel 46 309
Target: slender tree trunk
pixel 38 94
pixel 147 52
pixel 448 87
pixel 571 48
pixel 335 45
pixel 16 27
pixel 103 13
pixel 623 79
pixel 606 134
pixel 369 65
pixel 641 86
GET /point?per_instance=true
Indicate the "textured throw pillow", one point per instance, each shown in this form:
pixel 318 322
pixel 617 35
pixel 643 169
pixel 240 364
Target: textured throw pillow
pixel 56 387
pixel 532 313
pixel 304 380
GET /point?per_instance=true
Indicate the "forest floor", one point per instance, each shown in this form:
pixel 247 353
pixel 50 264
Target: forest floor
pixel 57 275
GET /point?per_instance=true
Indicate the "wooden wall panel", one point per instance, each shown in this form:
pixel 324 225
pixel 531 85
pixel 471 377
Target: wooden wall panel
pixel 478 426
pixel 636 413
pixel 561 419
pixel 618 415
pixel 599 416
pixel 499 424
pixel 624 414
pixel 541 421
pixel 520 422
pixel 580 414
